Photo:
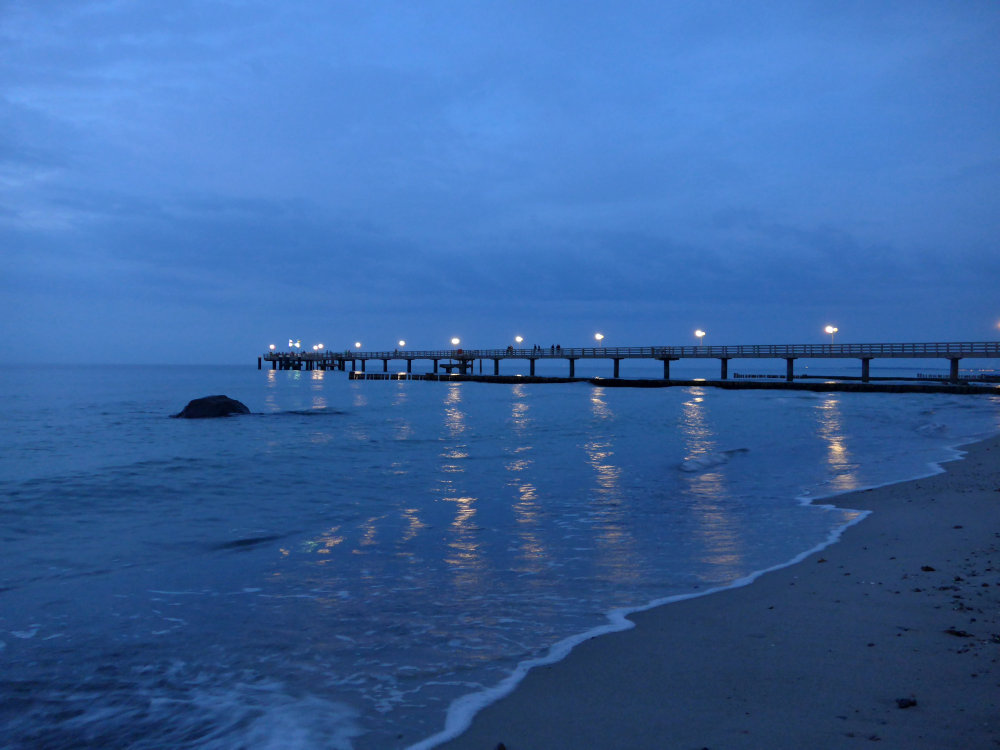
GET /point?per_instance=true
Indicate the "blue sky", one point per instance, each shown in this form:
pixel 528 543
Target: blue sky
pixel 189 181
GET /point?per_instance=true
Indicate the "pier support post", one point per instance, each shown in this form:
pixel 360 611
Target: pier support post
pixel 617 366
pixel 865 370
pixel 274 365
pixel 435 365
pixel 790 369
pixel 724 374
pixel 409 365
pixel 572 367
pixel 953 370
pixel 363 364
pixel 531 370
pixel 259 366
pixel 496 365
pixel 666 369
pixel 385 365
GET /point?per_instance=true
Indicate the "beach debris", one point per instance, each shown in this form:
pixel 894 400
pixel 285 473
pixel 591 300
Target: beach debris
pixel 906 702
pixel 958 633
pixel 212 406
pixel 927 568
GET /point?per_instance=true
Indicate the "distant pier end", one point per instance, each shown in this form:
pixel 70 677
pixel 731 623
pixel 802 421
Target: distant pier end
pixel 462 361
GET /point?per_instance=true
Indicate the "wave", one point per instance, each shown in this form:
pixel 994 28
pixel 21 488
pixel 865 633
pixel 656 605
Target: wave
pixel 932 429
pixel 318 412
pixel 248 543
pixel 710 460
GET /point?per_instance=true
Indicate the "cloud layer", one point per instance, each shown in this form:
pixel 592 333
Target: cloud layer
pixel 174 172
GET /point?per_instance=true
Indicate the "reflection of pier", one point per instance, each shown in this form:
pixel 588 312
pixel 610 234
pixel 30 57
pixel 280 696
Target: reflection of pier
pixel 461 361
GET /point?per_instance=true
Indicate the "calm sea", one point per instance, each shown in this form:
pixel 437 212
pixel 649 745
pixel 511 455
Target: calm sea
pixel 340 567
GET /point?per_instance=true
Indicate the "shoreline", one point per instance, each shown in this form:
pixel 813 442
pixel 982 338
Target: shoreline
pixel 813 660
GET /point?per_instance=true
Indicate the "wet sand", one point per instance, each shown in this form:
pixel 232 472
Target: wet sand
pixel 889 638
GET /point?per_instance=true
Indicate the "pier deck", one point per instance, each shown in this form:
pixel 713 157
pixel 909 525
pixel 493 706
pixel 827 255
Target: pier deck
pixel 462 360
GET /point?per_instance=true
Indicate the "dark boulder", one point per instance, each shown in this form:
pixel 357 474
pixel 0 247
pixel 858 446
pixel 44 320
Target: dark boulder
pixel 212 406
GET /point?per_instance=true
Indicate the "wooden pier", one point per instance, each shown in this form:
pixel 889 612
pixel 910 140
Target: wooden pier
pixel 461 361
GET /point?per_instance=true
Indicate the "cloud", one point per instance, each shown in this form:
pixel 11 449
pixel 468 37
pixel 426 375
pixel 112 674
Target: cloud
pixel 551 165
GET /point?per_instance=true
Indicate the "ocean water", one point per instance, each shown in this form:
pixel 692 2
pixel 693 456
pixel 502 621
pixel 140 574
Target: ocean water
pixel 341 567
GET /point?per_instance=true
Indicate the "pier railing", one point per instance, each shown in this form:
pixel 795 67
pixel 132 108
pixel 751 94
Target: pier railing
pixel 947 350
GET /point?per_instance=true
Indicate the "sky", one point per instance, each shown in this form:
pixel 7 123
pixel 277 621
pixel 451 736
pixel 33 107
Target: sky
pixel 189 181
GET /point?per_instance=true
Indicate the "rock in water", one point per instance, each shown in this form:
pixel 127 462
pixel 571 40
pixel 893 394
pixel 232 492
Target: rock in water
pixel 212 406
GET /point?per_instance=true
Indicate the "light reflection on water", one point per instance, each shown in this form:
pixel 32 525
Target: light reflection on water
pixel 610 506
pixel 838 458
pixel 519 463
pixel 463 555
pixel 717 525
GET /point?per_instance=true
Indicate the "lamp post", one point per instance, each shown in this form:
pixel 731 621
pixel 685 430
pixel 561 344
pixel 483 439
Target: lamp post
pixel 701 337
pixel 599 337
pixel 518 339
pixel 402 343
pixel 271 347
pixel 357 345
pixel 455 341
pixel 831 330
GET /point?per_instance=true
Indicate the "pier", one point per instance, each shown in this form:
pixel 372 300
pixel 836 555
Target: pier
pixel 462 361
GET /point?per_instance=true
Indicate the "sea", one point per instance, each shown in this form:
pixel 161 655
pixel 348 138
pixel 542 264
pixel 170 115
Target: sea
pixel 362 565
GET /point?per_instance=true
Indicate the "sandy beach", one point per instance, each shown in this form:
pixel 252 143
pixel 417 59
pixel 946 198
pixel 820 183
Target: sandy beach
pixel 889 638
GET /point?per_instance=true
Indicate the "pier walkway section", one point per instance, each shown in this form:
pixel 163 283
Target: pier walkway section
pixel 462 361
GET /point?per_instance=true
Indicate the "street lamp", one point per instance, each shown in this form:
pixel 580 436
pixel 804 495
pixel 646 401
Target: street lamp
pixel 456 341
pixel 357 345
pixel 518 339
pixel 701 336
pixel 831 330
pixel 271 347
pixel 599 337
pixel 401 343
